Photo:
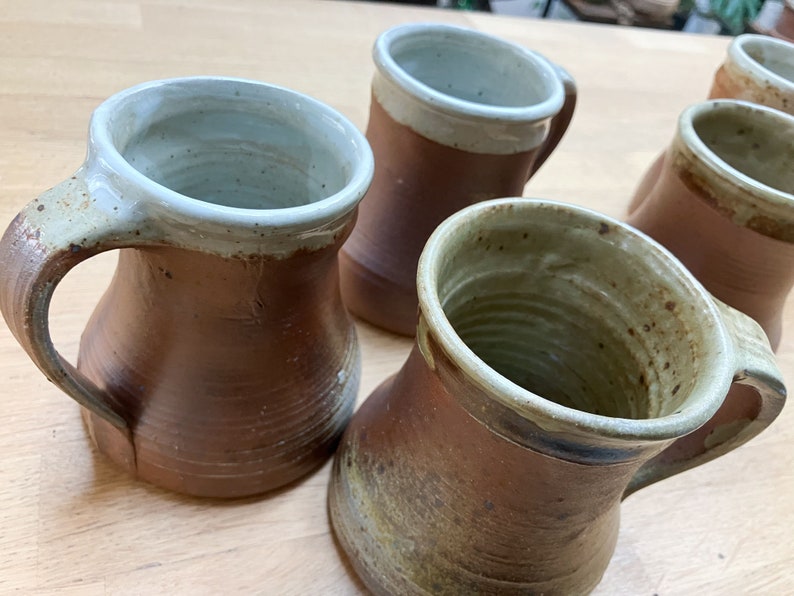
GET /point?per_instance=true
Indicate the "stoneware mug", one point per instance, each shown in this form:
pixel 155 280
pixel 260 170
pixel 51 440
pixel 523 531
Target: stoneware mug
pixel 558 352
pixel 724 205
pixel 784 25
pixel 758 69
pixel 456 117
pixel 220 361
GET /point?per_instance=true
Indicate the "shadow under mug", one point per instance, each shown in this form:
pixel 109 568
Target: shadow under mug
pixel 456 117
pixel 220 361
pixel 558 351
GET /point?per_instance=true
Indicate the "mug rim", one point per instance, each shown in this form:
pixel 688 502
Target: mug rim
pixel 739 54
pixel 388 67
pixel 775 201
pixel 693 414
pixel 309 215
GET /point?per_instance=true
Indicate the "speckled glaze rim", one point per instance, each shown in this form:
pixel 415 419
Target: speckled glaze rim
pixel 710 386
pixel 455 122
pixel 771 202
pixel 741 61
pixel 388 67
pixel 105 159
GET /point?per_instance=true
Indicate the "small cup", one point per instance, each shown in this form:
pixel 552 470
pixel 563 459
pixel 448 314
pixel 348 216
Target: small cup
pixel 558 353
pixel 456 117
pixel 758 69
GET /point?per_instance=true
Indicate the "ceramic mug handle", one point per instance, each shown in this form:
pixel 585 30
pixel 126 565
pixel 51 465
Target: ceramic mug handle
pixel 62 227
pixel 758 394
pixel 560 122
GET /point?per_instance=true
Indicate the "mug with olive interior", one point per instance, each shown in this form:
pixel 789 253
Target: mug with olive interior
pixel 220 361
pixel 558 352
pixel 758 69
pixel 456 116
pixel 724 205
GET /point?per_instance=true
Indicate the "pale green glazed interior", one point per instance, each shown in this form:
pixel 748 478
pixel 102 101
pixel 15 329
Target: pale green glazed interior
pixel 750 141
pixel 775 55
pixel 575 310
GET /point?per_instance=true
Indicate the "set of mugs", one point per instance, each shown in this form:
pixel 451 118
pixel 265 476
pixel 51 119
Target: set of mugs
pixel 563 359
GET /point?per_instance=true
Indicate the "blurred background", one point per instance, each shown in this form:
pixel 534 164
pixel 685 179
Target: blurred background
pixel 716 17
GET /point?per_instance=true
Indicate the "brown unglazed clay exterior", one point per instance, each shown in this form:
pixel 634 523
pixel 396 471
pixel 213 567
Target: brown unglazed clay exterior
pixel 456 117
pixel 558 354
pixel 221 361
pixel 734 231
pixel 475 513
pixel 417 184
pixel 227 370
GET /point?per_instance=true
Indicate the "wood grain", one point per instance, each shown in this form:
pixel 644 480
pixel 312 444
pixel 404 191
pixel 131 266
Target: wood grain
pixel 71 523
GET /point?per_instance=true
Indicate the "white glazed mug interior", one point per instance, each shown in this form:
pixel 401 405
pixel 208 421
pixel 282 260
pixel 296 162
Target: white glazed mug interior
pixel 232 143
pixel 466 89
pixel 468 66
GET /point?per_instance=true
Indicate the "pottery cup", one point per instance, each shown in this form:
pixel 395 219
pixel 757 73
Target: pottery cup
pixel 558 352
pixel 724 205
pixel 784 25
pixel 758 69
pixel 456 117
pixel 220 361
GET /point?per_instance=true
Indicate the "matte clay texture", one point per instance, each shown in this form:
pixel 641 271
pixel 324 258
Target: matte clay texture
pixel 417 184
pixel 734 238
pixel 557 353
pixel 236 375
pixel 456 117
pixel 723 205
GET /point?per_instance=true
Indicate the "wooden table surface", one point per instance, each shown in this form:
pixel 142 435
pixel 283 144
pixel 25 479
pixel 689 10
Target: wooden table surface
pixel 71 523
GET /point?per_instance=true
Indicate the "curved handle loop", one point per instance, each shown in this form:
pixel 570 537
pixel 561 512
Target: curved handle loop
pixel 560 122
pixel 753 402
pixel 52 234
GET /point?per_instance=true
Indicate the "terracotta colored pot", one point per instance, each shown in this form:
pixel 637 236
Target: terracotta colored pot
pixel 456 117
pixel 784 27
pixel 724 205
pixel 758 69
pixel 221 361
pixel 558 351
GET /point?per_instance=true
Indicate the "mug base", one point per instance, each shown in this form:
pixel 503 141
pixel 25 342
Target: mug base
pixel 111 443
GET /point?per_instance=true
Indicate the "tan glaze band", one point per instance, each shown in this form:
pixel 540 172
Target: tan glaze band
pixel 703 154
pixel 760 69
